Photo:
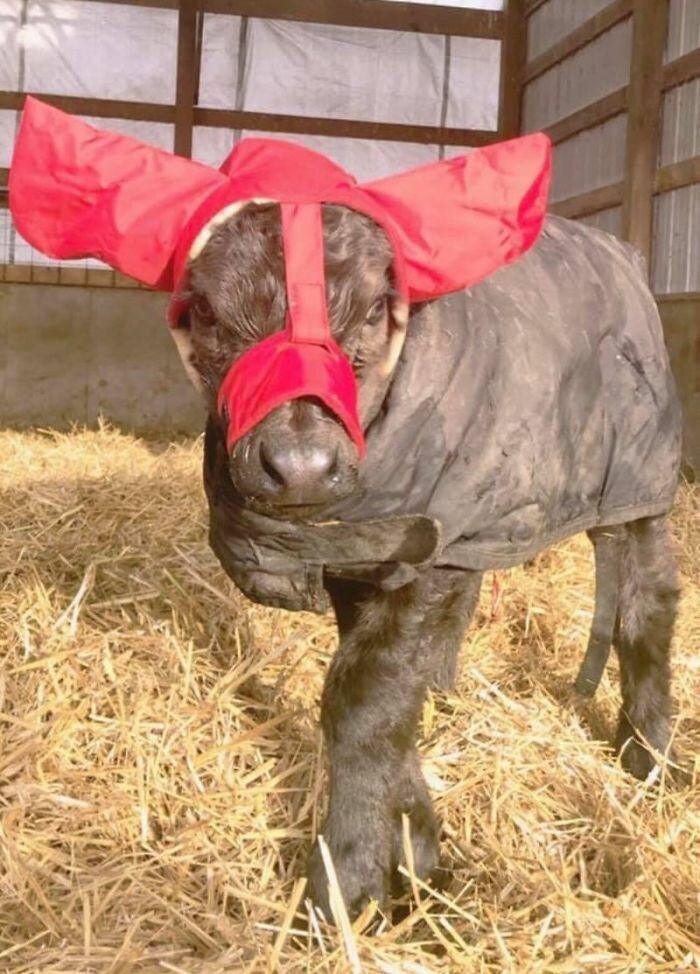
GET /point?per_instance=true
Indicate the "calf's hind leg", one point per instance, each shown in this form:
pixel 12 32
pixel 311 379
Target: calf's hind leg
pixel 648 603
pixel 455 596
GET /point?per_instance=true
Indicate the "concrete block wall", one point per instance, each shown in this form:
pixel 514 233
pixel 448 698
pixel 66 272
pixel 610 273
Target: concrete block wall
pixel 72 354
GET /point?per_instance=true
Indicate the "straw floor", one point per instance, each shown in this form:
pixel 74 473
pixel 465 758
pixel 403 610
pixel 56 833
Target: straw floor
pixel 161 770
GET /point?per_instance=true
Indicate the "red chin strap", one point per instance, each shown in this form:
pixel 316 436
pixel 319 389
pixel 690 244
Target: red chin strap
pixel 302 360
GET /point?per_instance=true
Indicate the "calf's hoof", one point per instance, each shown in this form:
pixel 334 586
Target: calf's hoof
pixel 362 876
pixel 635 756
pixel 424 832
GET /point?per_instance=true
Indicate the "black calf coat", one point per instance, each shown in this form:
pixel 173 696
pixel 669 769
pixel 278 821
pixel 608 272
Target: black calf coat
pixel 534 405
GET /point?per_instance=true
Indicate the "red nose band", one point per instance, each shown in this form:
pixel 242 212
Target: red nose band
pixel 302 360
pixel 277 370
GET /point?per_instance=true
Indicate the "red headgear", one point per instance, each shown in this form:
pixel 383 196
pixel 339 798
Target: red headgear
pixel 76 191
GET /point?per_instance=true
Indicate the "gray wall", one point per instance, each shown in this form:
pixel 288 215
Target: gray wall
pixel 71 354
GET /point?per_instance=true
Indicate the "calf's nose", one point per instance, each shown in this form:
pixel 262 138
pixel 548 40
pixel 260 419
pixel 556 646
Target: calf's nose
pixel 300 468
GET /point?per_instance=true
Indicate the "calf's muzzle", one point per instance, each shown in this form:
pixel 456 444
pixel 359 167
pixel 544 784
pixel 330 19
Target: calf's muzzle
pixel 298 457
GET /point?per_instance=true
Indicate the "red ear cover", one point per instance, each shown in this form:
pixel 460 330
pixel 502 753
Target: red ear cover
pixel 76 191
pixel 79 192
pixel 459 220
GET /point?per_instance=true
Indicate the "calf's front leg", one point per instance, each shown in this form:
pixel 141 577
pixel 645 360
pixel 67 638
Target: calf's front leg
pixel 369 712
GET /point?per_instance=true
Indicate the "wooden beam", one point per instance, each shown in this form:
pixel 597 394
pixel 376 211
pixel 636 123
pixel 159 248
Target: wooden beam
pixel 342 127
pixel 512 63
pixel 532 5
pixel 422 17
pixel 649 29
pixel 683 69
pixel 97 107
pixel 378 14
pixel 187 73
pixel 158 4
pixel 598 24
pixel 261 121
pixel 677 174
pixel 692 297
pixel 587 118
pixel 584 204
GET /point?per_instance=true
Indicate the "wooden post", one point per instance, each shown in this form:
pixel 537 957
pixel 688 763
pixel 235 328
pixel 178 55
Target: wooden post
pixel 513 53
pixel 187 74
pixel 649 29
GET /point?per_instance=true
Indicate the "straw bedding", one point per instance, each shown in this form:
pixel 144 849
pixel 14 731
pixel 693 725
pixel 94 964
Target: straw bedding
pixel 161 770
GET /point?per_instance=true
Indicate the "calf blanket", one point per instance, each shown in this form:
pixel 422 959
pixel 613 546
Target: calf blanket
pixel 536 404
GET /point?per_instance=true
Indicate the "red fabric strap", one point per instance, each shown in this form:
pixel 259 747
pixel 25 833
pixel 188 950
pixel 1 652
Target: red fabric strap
pixel 305 278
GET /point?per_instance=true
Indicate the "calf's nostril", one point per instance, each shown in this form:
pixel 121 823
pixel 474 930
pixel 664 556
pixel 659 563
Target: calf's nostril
pixel 300 466
pixel 274 470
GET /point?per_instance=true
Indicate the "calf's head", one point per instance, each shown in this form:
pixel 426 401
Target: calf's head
pixel 162 219
pixel 299 457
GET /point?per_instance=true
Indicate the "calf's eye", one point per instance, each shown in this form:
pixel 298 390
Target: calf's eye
pixel 202 310
pixel 376 311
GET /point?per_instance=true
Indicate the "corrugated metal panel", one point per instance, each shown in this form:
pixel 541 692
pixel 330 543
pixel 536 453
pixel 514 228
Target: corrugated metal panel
pixel 608 220
pixel 593 72
pixel 590 159
pixel 676 257
pixel 557 19
pixel 683 28
pixel 680 126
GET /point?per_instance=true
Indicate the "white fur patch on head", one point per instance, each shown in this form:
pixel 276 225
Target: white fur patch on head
pixel 183 343
pixel 204 235
pixel 181 336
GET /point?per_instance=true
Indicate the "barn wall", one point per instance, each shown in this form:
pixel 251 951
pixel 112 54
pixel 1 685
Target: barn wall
pixel 609 220
pixel 593 81
pixel 556 19
pixel 594 157
pixel 676 254
pixel 589 160
pixel 682 329
pixel 72 354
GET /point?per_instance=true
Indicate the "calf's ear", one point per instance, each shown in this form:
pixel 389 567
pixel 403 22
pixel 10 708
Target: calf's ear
pixel 182 336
